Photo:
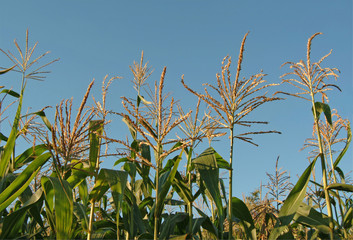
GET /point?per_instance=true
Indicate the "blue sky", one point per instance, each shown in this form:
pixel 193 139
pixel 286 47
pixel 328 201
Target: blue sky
pixel 94 38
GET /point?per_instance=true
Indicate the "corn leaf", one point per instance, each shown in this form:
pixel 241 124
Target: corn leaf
pixel 10 92
pixel 14 222
pixel 44 118
pixel 22 181
pixel 165 181
pixel 95 131
pixel 292 203
pixel 10 144
pixel 308 216
pixel 344 150
pixel 131 128
pixel 80 213
pixel 117 183
pixel 241 212
pixel 7 70
pixel 341 187
pixel 169 224
pixel 29 155
pixel 348 218
pixel 58 196
pixel 206 165
pixel 325 108
pixel 182 188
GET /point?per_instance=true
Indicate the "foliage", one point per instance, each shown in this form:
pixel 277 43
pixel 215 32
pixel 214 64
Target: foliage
pixel 57 188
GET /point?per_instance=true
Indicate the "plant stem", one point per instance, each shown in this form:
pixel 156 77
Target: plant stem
pixel 156 212
pixel 338 196
pixel 190 186
pixel 323 167
pixel 230 220
pixel 90 221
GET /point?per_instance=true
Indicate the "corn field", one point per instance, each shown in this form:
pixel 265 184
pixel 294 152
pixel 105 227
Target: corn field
pixel 58 189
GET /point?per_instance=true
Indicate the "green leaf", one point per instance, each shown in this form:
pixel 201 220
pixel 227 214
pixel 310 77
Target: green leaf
pixel 10 92
pixel 58 197
pixel 341 187
pixel 309 217
pixel 292 203
pixel 166 180
pixel 83 192
pixel 348 218
pixel 242 213
pixel 95 131
pixel 3 137
pixel 325 108
pixel 7 70
pixel 14 222
pixel 80 213
pixel 10 144
pixel 182 188
pixel 210 227
pixel 221 163
pixel 44 119
pixel 141 98
pixel 117 183
pixel 167 227
pixel 78 174
pixel 22 181
pixel 29 155
pixel 131 129
pixel 206 165
pixel 344 150
pixel 107 178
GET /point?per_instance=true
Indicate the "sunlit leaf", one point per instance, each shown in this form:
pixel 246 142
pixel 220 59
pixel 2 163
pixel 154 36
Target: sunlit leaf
pixel 325 108
pixel 292 203
pixel 341 187
pixel 58 196
pixel 22 181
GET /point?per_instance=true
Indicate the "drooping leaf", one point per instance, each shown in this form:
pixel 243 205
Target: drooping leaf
pixel 308 216
pixel 344 150
pixel 141 98
pixel 58 197
pixel 182 188
pixel 167 227
pixel 325 108
pixel 78 173
pixel 117 182
pixel 7 70
pixel 241 212
pixel 341 187
pixel 292 203
pixel 221 163
pixel 29 155
pixel 10 92
pixel 131 128
pixel 44 118
pixel 14 222
pixel 3 137
pixel 206 165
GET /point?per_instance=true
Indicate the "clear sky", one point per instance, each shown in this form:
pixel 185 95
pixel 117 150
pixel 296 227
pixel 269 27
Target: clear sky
pixel 95 38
